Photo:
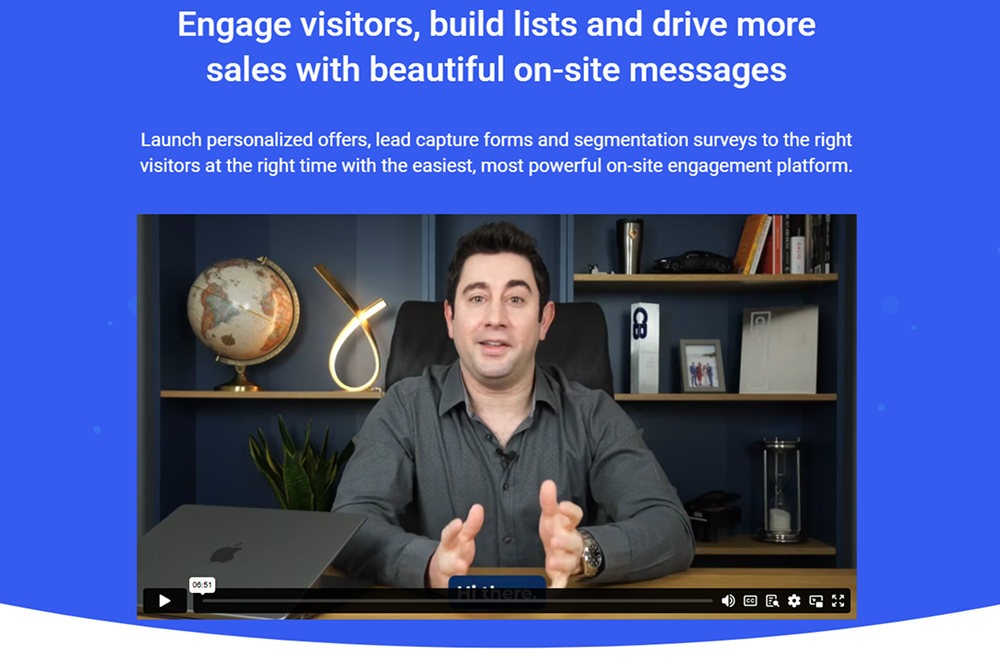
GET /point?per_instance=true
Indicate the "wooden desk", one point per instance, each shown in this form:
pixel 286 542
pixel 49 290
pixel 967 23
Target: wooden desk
pixel 722 578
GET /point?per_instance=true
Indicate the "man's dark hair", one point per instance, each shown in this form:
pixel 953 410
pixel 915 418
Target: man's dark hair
pixel 492 239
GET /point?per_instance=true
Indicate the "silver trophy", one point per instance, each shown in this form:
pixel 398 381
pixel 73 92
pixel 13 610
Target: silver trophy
pixel 629 245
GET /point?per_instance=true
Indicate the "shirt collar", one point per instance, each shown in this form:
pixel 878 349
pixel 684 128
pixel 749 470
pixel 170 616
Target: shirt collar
pixel 453 391
pixel 544 391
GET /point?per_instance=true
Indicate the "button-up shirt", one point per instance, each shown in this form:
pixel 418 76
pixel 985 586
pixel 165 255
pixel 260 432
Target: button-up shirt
pixel 424 458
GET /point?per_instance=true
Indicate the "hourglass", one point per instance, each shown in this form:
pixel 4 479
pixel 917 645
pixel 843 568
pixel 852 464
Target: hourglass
pixel 782 492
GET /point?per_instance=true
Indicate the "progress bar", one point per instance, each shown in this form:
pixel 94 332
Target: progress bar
pixel 533 600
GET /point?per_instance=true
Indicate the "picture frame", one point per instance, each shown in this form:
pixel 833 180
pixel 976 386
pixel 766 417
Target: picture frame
pixel 702 369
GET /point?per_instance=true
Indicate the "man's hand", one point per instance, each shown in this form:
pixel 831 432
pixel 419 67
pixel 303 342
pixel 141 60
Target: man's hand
pixel 457 549
pixel 557 528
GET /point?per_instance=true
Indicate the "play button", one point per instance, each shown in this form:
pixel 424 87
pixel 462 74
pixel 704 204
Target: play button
pixel 164 601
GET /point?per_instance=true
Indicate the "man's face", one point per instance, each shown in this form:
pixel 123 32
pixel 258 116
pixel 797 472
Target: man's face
pixel 494 320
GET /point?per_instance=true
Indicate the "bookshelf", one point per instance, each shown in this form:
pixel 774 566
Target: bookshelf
pixel 710 442
pixel 746 545
pixel 724 398
pixel 197 436
pixel 276 395
pixel 586 282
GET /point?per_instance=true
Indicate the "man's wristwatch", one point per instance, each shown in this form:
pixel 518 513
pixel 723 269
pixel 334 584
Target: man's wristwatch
pixel 592 558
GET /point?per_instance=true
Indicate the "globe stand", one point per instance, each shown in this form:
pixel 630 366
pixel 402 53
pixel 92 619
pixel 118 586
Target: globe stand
pixel 239 382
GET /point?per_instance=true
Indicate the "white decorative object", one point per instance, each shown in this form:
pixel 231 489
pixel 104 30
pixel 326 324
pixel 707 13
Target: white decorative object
pixel 781 520
pixel 645 335
pixel 779 351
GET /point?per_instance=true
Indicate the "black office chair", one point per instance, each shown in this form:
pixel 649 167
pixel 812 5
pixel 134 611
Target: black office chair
pixel 577 342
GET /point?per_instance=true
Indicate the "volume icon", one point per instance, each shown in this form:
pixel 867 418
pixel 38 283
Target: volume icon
pixel 729 600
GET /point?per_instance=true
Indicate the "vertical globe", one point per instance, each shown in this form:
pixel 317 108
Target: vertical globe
pixel 245 311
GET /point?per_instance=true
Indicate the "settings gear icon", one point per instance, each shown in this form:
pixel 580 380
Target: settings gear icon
pixel 794 600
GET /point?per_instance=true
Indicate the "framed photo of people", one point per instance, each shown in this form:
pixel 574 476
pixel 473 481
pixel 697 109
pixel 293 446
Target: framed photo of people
pixel 701 366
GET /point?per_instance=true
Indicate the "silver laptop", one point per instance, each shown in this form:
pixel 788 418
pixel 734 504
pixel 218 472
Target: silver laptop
pixel 241 548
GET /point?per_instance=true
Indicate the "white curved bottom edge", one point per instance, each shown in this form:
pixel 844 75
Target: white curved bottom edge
pixel 48 638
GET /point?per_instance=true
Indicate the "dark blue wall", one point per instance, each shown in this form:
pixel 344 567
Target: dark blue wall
pixel 545 229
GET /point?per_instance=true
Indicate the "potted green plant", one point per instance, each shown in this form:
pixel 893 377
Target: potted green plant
pixel 304 479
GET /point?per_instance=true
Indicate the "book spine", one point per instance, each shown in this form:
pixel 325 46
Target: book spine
pixel 817 254
pixel 768 262
pixel 820 245
pixel 786 245
pixel 777 238
pixel 798 254
pixel 817 244
pixel 817 240
pixel 809 243
pixel 758 245
pixel 799 245
pixel 765 264
pixel 746 248
pixel 828 244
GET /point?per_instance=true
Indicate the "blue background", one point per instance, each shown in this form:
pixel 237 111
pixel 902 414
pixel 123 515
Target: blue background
pixel 911 85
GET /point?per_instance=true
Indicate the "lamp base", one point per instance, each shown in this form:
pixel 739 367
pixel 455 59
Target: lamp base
pixel 783 537
pixel 239 382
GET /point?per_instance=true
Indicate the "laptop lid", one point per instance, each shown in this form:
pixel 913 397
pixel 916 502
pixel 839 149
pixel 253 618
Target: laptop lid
pixel 242 548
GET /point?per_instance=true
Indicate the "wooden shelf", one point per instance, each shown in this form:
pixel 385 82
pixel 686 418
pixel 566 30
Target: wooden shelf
pixel 588 282
pixel 746 545
pixel 725 397
pixel 375 395
pixel 261 395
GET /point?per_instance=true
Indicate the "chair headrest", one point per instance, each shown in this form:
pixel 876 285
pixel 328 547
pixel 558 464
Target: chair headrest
pixel 577 342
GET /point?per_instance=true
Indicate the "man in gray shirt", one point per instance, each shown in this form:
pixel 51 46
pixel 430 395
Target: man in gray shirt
pixel 466 464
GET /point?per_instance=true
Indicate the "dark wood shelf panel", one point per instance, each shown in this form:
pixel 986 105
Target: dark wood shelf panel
pixel 746 545
pixel 588 282
pixel 265 395
pixel 725 397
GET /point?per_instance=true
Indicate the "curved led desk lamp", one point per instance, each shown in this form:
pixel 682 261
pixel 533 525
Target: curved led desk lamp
pixel 361 316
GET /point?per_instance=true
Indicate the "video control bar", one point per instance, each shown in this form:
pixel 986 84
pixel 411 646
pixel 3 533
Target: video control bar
pixel 527 600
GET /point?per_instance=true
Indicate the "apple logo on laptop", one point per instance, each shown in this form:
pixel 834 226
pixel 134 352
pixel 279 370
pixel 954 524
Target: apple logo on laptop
pixel 225 554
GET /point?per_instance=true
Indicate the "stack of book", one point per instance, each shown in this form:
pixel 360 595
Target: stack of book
pixel 785 244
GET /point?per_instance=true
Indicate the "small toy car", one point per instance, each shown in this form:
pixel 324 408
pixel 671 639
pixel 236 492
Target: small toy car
pixel 695 261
